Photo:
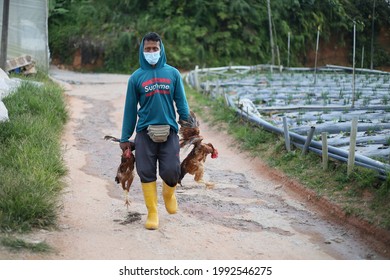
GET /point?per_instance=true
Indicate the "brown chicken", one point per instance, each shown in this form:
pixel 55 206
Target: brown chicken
pixel 125 172
pixel 194 162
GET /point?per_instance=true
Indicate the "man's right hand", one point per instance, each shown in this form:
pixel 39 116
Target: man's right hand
pixel 124 145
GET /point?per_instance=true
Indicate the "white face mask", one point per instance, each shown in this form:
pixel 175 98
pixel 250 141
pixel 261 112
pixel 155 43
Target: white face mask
pixel 152 57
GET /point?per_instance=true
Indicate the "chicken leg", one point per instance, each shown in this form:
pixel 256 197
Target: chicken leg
pixel 209 185
pixel 126 195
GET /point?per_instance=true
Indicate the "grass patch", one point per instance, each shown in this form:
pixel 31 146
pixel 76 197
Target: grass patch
pixel 361 193
pixel 15 244
pixel 31 165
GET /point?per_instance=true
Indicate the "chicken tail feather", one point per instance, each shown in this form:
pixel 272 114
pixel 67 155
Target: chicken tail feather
pixel 111 138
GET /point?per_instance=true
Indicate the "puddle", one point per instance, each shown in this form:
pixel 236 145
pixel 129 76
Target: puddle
pixel 131 217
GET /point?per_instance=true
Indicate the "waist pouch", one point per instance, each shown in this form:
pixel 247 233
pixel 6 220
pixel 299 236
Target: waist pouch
pixel 159 133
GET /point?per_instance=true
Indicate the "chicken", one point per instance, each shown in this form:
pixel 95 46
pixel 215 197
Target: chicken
pixel 194 162
pixel 125 172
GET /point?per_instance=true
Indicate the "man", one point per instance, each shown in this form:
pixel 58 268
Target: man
pixel 156 87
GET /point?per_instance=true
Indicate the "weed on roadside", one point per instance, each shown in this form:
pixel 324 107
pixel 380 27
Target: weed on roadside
pixel 31 165
pixel 16 244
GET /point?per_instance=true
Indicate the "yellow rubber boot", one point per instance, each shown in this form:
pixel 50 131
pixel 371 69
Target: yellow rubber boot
pixel 150 196
pixel 169 198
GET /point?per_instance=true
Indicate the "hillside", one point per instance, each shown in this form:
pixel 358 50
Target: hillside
pixel 219 33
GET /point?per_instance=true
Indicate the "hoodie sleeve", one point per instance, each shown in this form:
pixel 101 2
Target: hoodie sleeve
pixel 180 98
pixel 130 112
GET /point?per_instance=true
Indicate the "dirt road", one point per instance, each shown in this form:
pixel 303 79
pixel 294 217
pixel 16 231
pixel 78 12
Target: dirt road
pixel 250 214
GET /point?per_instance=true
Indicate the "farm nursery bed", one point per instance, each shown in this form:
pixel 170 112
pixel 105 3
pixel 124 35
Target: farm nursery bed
pixel 325 100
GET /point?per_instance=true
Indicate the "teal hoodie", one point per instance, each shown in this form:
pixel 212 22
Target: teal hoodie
pixel 156 90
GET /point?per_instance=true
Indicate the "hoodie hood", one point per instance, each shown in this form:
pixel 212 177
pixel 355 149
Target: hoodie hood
pixel 144 64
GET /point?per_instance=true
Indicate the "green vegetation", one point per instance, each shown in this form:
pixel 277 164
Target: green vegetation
pixel 361 194
pixel 211 33
pixel 16 244
pixel 31 164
